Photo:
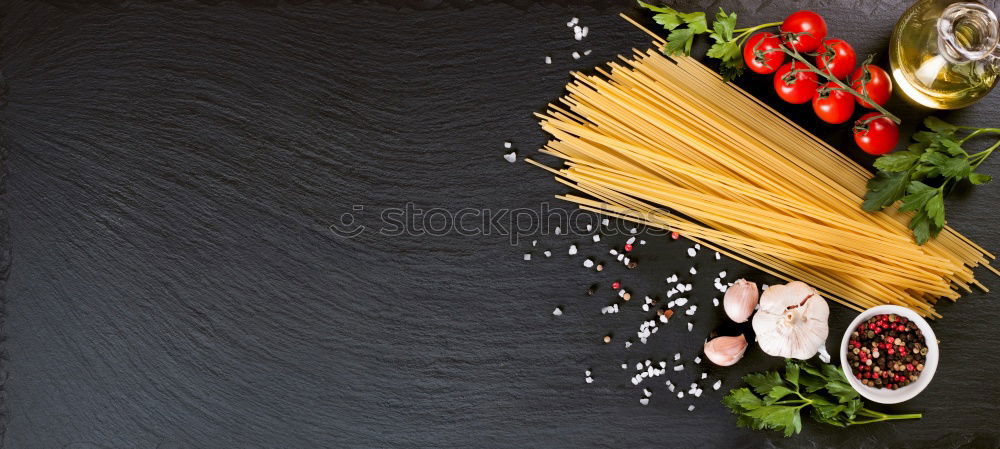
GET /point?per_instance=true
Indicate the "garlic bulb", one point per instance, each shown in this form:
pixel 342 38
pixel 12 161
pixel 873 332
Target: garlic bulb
pixel 725 351
pixel 740 300
pixel 791 321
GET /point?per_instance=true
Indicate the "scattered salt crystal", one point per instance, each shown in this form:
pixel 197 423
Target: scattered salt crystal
pixel 557 312
pixel 646 392
pixel 691 407
pixel 628 344
pixel 690 326
pixel 679 368
pixel 704 375
pixel 694 386
pixel 548 253
pixel 633 231
pixel 644 401
pixel 698 360
pixel 715 302
pixel 649 300
pixel 588 263
pixel 691 252
pixel 589 380
pixel 534 243
pixel 697 246
pixel 690 311
pixel 597 238
pixel 624 366
pixel 510 157
pixel 590 228
pixel 576 55
pixel 626 260
pixel 630 240
pixel 587 372
pixel 677 356
pixel 577 29
pixel 548 60
pixel 663 364
pixel 621 293
pixel 638 366
pixel 693 271
pixel 663 319
pixel 670 305
pixel 558 230
pixel 722 274
pixel 613 252
pixel 681 301
pixel 620 257
pixel 605 222
pixel 527 257
pixel 671 386
pixel 572 248
pixel 587 51
pixel 718 256
pixel 645 307
pixel 764 287
pixel 717 384
pixel 697 394
pixel 585 31
pixel 680 394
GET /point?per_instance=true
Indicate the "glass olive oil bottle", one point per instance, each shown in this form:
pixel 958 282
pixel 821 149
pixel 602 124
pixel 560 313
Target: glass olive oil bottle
pixel 944 54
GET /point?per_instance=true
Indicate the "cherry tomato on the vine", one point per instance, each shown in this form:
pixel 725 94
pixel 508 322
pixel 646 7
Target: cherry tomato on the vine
pixel 874 82
pixel 763 53
pixel 836 57
pixel 875 133
pixel 795 87
pixel 832 104
pixel 803 30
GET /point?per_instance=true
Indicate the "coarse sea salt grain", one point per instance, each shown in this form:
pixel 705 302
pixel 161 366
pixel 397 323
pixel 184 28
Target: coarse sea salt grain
pixel 572 250
pixel 628 344
pixel 534 242
pixel 717 385
pixel 690 326
pixel 715 302
pixel 590 228
pixel 548 253
pixel 558 230
pixel 698 360
pixel 663 364
pixel 589 380
pixel 722 274
pixel 557 312
pixel 677 356
pixel 576 55
pixel 691 407
pixel 679 368
pixel 527 257
pixel 510 157
pixel 691 252
pixel 646 392
pixel 624 366
pixel 597 238
pixel 630 240
pixel 664 319
pixel 587 51
pixel 548 60
pixel 680 302
pixel 588 263
pixel 644 401
pixel 718 256
pixel 645 307
pixel 680 394
pixel 605 222
pixel 697 246
pixel 693 271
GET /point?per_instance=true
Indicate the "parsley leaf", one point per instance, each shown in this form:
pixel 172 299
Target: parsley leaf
pixel 936 158
pixel 772 405
pixel 727 48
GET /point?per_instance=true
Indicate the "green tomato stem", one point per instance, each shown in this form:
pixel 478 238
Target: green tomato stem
pixel 812 68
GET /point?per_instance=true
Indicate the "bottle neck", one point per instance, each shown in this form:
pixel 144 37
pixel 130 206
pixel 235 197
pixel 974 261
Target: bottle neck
pixel 968 31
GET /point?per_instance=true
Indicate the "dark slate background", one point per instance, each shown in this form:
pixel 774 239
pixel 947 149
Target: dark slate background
pixel 172 170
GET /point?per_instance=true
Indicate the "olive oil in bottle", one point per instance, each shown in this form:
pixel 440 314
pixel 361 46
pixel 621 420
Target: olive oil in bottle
pixel 944 54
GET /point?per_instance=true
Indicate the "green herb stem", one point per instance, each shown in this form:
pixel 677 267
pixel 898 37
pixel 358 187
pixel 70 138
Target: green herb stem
pixel 977 132
pixel 755 28
pixel 812 68
pixel 978 158
pixel 878 417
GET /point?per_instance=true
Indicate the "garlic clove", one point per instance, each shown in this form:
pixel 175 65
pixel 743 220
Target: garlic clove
pixel 740 300
pixel 725 351
pixel 791 321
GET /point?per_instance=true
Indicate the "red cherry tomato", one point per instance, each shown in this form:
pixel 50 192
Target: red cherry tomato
pixel 871 80
pixel 832 105
pixel 836 57
pixel 875 135
pixel 811 24
pixel 795 88
pixel 763 53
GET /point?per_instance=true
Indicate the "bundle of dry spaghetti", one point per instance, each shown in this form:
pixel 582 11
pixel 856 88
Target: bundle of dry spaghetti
pixel 666 143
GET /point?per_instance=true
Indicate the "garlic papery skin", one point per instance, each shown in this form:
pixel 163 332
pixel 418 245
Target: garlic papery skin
pixel 740 300
pixel 725 351
pixel 791 321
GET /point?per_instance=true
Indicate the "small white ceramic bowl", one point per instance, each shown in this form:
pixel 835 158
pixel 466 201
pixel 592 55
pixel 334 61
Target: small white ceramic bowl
pixel 883 395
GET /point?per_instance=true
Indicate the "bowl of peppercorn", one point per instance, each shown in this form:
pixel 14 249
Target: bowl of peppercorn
pixel 889 354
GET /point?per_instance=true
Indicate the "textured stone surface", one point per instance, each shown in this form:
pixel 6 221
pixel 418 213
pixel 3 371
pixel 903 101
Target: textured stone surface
pixel 172 170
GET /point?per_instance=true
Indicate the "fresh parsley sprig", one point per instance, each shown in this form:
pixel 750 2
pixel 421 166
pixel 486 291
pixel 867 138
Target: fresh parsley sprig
pixel 776 402
pixel 923 174
pixel 684 27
